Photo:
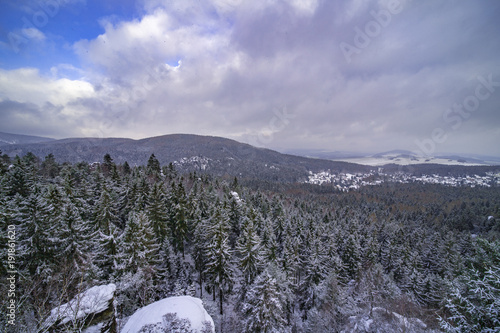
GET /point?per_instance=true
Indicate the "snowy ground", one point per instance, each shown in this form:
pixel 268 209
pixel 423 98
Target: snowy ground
pixel 379 161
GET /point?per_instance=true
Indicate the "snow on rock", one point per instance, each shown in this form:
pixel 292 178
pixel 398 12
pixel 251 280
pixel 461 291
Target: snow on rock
pixel 185 307
pixel 90 307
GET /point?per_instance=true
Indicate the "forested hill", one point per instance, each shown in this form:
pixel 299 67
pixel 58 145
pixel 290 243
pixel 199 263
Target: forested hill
pixel 217 155
pixel 10 139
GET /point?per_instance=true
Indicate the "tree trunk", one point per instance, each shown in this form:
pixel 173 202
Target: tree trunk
pixel 201 285
pixel 220 302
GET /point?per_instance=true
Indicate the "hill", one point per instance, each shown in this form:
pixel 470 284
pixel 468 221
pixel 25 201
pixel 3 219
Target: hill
pixel 10 139
pixel 187 152
pixel 401 157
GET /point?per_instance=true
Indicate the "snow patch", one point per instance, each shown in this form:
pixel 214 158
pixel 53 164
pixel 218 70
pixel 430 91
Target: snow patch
pixel 236 197
pixel 185 307
pixel 198 162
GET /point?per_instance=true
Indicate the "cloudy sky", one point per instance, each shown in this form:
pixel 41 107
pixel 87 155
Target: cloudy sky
pixel 356 75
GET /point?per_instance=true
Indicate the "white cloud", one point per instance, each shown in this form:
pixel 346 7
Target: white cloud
pixel 27 85
pixel 33 33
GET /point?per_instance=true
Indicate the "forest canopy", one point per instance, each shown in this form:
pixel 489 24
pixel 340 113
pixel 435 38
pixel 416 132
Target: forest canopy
pixel 264 256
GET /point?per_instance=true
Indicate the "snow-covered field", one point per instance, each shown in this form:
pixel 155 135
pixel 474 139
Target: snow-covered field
pixel 400 160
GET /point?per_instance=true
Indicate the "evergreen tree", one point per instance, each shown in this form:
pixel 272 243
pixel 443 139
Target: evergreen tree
pixel 351 256
pixel 157 213
pixel 315 271
pixel 474 301
pixel 199 253
pixel 3 166
pixel 264 309
pixel 126 169
pixel 235 216
pixel 78 242
pixel 153 169
pixel 107 252
pixel 17 180
pixel 105 213
pixel 37 248
pixel 250 251
pixel 138 247
pixel 219 267
pixel 49 167
pixel 108 167
pixel 178 221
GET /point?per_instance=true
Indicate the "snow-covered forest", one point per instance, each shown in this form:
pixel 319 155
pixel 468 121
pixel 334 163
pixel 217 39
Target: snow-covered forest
pixel 263 256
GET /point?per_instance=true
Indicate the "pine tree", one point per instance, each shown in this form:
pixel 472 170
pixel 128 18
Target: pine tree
pixel 167 267
pixel 138 247
pixel 37 246
pixel 199 253
pixel 474 301
pixel 157 213
pixel 126 169
pixel 77 241
pixel 106 214
pixel 219 256
pixel 3 166
pixel 290 259
pixel 107 252
pixel 351 256
pixel 264 309
pixel 56 203
pixel 49 167
pixel 108 167
pixel 178 217
pixel 235 216
pixel 250 251
pixel 17 180
pixel 153 169
pixel 315 270
pixel 412 281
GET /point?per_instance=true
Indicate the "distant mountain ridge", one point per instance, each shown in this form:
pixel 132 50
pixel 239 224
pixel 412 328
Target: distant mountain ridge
pixel 226 157
pixel 403 157
pixel 10 139
pixel 188 152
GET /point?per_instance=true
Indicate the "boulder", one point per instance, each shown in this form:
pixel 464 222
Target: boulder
pixel 94 306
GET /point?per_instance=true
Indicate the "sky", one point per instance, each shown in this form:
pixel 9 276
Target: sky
pixel 334 75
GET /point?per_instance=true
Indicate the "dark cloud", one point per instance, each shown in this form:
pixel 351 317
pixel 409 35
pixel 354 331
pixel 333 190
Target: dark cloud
pixel 29 118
